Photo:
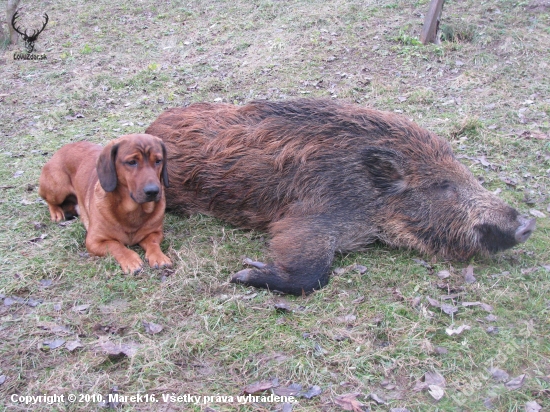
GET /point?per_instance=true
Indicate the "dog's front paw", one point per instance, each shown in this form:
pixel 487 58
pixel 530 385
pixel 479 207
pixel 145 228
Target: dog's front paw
pixel 56 213
pixel 159 260
pixel 131 263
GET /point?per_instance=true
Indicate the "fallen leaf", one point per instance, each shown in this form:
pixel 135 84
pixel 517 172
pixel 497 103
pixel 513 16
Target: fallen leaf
pixel 434 378
pixel 360 299
pixel 386 384
pixel 290 390
pixel 440 350
pixel 488 403
pixel 430 378
pixel 515 383
pixel 10 300
pixel 491 318
pixel 319 350
pixel 152 328
pixel 80 308
pixel 433 302
pixel 484 306
pixel 398 295
pixel 2 379
pixel 360 268
pixel 436 392
pixel 72 345
pixel 45 283
pixel 399 410
pixel 282 307
pixel 287 407
pixel 312 392
pixel 346 319
pixel 527 271
pixel 443 274
pixel 339 271
pixel 38 239
pixel 68 223
pixel 33 302
pixel 258 387
pixel 112 349
pixel 422 262
pixel 498 374
pixel 468 274
pixel 53 344
pixel 484 161
pixel 249 296
pixel 38 225
pixel 111 329
pixel 349 402
pixel 510 181
pixel 532 406
pixel 53 327
pixel 449 309
pixel 537 213
pixel 377 399
pixel 457 331
pixel 77 116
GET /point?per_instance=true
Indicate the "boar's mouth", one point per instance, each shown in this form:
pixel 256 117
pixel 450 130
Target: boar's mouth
pixel 495 239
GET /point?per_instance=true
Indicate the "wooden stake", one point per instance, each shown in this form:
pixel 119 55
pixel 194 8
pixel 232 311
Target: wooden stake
pixel 11 7
pixel 431 22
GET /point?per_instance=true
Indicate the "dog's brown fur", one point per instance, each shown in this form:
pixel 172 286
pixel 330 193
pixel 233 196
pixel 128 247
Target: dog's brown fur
pixel 117 191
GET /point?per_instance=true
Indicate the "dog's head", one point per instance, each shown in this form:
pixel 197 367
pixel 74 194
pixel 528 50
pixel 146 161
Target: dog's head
pixel 137 162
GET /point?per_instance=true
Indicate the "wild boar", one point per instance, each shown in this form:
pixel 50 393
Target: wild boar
pixel 323 177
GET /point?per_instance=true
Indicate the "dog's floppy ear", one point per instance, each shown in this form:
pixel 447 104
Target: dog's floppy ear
pixel 106 168
pixel 164 166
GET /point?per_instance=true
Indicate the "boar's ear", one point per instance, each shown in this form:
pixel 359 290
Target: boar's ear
pixel 106 167
pixel 385 167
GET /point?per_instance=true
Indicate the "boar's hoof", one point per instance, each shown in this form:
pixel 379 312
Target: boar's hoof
pixel 526 228
pixel 251 262
pixel 242 276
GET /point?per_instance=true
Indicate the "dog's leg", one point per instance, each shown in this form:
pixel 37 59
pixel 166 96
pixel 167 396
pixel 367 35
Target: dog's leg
pixel 55 187
pixel 129 261
pixel 153 254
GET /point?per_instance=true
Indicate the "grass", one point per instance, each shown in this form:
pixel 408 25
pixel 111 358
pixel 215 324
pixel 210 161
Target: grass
pixel 484 88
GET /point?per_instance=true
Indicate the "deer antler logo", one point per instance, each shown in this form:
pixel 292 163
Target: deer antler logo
pixel 29 39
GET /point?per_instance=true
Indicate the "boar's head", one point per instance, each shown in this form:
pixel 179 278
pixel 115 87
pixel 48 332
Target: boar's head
pixel 430 202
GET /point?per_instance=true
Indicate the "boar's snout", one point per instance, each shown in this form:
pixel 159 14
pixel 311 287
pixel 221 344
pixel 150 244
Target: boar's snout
pixel 504 233
pixel 526 227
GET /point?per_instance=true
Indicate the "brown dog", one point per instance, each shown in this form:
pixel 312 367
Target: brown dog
pixel 117 191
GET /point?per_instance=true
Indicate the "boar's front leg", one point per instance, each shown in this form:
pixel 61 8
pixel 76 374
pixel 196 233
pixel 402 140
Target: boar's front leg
pixel 302 250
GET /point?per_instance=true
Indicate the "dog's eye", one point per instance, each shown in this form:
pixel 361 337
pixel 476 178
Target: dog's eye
pixel 132 162
pixel 158 162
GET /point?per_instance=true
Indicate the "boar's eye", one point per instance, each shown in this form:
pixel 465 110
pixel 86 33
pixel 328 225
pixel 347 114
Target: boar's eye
pixel 446 188
pixel 445 185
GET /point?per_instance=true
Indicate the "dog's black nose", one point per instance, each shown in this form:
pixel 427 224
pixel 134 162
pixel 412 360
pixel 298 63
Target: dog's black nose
pixel 151 190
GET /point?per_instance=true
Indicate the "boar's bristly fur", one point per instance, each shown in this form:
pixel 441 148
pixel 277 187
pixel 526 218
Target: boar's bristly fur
pixel 324 177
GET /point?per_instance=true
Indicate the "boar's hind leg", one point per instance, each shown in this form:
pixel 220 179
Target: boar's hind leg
pixel 302 259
